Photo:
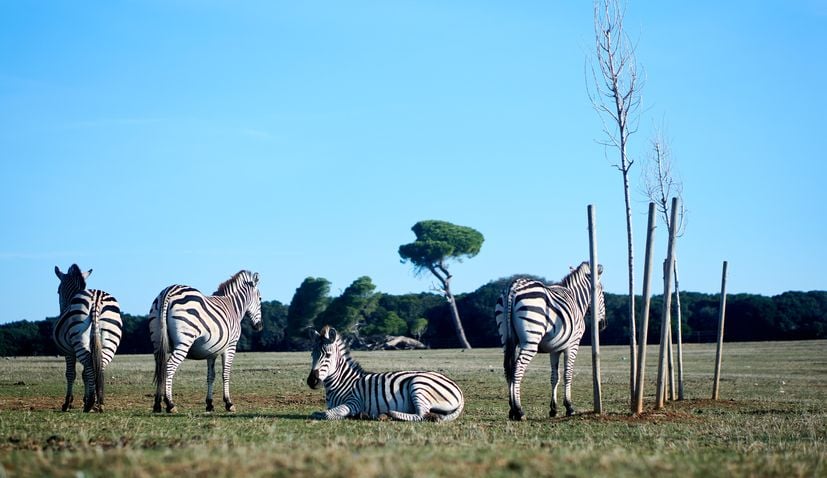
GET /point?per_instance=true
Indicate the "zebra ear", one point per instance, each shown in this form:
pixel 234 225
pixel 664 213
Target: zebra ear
pixel 255 278
pixel 330 336
pixel 58 273
pixel 599 269
pixel 86 274
pixel 312 334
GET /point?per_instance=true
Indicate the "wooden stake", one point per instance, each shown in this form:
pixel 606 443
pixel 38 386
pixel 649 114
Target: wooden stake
pixel 637 402
pixel 719 350
pixel 667 305
pixel 680 333
pixel 598 401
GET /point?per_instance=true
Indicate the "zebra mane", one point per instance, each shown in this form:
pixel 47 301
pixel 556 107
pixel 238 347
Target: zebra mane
pixel 342 345
pixel 237 277
pixel 75 273
pixel 574 274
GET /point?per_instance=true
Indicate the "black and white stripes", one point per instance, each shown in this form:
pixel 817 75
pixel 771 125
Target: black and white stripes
pixel 535 317
pixel 88 331
pixel 184 323
pixel 352 392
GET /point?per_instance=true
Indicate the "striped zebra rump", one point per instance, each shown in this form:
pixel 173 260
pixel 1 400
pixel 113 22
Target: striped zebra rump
pixel 92 316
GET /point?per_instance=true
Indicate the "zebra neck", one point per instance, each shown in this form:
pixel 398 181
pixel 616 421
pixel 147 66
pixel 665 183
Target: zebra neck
pixel 347 373
pixel 239 299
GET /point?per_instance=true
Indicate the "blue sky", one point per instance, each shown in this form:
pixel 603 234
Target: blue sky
pixel 171 142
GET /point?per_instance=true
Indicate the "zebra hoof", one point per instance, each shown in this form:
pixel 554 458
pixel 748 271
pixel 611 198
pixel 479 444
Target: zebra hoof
pixel 172 409
pixel 552 413
pixel 210 406
pixel 156 408
pixel 516 415
pixel 66 407
pixel 230 407
pixel 570 412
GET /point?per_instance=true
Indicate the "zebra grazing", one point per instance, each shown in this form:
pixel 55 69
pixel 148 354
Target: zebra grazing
pixel 88 331
pixel 536 317
pixel 352 392
pixel 183 322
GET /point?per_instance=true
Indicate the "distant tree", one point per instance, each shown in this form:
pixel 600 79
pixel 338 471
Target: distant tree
pixel 615 94
pixel 417 327
pixel 309 300
pixel 135 335
pixel 436 243
pixel 357 301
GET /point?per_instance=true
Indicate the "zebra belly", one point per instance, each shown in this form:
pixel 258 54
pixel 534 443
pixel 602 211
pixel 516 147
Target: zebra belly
pixel 203 349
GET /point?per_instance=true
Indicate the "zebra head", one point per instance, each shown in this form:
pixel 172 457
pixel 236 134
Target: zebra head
pixel 254 304
pixel 72 282
pixel 325 355
pixel 602 322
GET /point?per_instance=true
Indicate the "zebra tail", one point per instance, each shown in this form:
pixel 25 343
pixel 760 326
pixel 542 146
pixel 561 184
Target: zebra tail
pixel 96 350
pixel 454 414
pixel 510 339
pixel 162 352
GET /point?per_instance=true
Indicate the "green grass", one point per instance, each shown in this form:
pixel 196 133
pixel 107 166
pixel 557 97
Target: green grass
pixel 771 421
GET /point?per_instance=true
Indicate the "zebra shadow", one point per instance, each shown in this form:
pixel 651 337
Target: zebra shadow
pixel 228 416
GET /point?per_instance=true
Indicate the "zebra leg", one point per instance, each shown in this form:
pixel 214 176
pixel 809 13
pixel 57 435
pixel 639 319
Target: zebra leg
pixel 210 381
pixel 568 367
pixel 555 381
pixel 227 364
pixel 178 355
pixel 70 382
pixel 523 359
pixel 335 413
pixel 89 385
pixel 161 382
pixel 422 411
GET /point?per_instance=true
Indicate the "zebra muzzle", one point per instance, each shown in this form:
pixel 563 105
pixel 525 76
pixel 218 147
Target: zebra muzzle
pixel 313 379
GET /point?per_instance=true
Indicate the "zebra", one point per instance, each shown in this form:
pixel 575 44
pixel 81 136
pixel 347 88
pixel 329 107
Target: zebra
pixel 184 323
pixel 352 392
pixel 536 317
pixel 88 331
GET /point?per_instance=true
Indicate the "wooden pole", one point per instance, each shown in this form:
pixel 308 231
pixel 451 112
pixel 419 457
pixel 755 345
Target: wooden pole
pixel 679 333
pixel 719 350
pixel 598 401
pixel 667 305
pixel 671 367
pixel 637 402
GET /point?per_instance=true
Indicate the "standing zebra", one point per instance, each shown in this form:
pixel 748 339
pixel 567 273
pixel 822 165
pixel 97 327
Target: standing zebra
pixel 183 322
pixel 88 331
pixel 350 391
pixel 536 317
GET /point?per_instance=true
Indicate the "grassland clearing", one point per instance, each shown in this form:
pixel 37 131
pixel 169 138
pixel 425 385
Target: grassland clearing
pixel 771 421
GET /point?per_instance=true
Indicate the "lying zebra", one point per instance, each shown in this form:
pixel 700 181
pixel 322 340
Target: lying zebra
pixel 352 392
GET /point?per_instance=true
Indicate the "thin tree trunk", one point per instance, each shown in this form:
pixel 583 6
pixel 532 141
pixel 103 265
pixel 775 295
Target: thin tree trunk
pixel 631 265
pixel 667 305
pixel 457 324
pixel 446 287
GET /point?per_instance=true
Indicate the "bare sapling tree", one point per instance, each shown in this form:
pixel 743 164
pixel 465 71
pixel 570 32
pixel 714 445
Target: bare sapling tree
pixel 659 184
pixel 614 88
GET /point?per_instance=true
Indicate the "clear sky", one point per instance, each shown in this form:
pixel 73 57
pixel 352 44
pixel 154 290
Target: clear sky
pixel 162 142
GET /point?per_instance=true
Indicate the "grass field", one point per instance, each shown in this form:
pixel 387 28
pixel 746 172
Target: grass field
pixel 771 421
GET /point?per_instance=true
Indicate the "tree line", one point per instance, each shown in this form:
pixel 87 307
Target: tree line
pixel 363 313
